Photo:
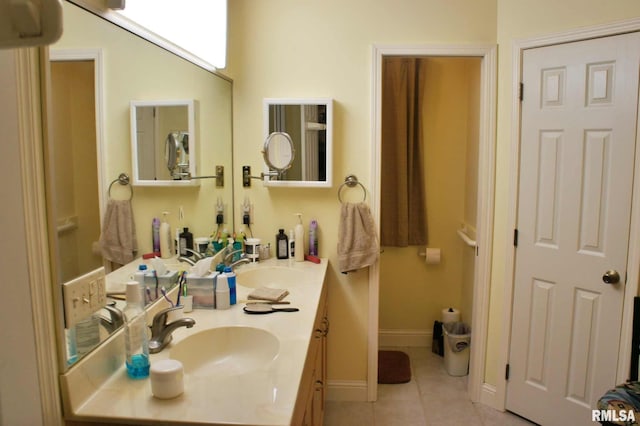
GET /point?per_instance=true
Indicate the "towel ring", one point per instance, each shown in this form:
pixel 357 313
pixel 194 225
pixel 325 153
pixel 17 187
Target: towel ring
pixel 351 181
pixel 122 179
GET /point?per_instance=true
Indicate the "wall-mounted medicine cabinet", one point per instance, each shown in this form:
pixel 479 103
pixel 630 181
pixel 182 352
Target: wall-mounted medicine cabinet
pixel 309 124
pixel 163 142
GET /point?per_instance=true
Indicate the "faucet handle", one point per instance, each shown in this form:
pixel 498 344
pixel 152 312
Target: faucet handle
pixel 160 319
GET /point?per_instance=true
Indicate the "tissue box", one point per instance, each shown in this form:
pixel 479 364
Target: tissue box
pixel 202 289
pixel 167 279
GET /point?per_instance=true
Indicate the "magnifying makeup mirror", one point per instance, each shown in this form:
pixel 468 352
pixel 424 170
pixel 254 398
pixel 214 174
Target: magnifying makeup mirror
pixel 177 153
pixel 278 151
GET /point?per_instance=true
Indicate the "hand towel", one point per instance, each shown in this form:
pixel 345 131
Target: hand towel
pixel 118 238
pixel 265 293
pixel 358 245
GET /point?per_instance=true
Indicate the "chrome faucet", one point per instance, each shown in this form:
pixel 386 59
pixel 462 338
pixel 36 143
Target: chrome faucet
pixel 161 331
pixel 115 321
pixel 191 257
pixel 228 258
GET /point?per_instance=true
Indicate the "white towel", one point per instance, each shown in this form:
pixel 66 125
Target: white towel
pixel 118 238
pixel 358 245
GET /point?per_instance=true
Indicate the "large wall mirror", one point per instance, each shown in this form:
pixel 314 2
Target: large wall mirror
pixel 96 69
pixel 163 142
pixel 309 125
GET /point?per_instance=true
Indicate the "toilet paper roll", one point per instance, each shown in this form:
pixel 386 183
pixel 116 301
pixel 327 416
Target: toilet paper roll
pixel 432 256
pixel 450 316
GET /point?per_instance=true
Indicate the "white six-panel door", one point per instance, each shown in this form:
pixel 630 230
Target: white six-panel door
pixel 577 150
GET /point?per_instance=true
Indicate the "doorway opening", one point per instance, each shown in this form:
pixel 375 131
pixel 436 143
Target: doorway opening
pixel 468 73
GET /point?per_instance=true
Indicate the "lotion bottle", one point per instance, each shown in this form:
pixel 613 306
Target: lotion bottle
pixel 223 297
pixel 165 237
pixel 299 239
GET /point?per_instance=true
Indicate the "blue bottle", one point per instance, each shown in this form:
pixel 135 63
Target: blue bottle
pixel 231 279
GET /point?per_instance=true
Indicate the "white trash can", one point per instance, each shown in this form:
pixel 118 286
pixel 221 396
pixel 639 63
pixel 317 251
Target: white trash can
pixel 457 338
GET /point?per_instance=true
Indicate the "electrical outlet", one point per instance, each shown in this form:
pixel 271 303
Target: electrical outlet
pixel 246 209
pixel 83 296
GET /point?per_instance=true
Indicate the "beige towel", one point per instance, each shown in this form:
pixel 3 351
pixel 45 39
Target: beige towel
pixel 118 239
pixel 358 245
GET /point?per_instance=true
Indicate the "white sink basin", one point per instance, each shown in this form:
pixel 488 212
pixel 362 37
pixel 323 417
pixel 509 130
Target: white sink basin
pixel 272 276
pixel 226 351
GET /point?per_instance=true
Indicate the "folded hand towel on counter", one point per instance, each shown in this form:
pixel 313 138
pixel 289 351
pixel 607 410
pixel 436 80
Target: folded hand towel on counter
pixel 358 245
pixel 118 238
pixel 271 294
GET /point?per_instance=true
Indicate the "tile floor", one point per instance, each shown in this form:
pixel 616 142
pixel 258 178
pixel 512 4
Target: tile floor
pixel 431 398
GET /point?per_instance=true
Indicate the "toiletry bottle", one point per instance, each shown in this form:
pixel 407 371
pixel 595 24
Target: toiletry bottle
pixel 165 237
pixel 136 340
pixel 282 245
pixel 299 238
pixel 292 244
pixel 186 242
pixel 313 238
pixel 155 231
pixel 223 300
pixel 231 280
pixel 138 276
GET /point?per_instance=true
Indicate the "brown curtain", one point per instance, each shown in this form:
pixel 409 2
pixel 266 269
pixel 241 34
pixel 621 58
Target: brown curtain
pixel 403 217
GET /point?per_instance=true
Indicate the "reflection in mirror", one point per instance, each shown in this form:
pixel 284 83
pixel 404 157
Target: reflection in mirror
pixel 308 123
pixel 163 142
pixel 91 136
pixel 279 152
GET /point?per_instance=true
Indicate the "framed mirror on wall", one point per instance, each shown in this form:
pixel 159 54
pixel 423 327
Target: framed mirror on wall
pixel 308 123
pixel 103 151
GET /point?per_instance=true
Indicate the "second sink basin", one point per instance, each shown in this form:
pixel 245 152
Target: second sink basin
pixel 226 351
pixel 272 276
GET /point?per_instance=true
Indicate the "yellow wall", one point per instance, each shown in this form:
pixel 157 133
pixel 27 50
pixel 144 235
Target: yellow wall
pixel 287 48
pixel 134 69
pixel 412 293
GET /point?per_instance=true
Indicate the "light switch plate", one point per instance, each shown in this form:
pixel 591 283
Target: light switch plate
pixel 83 296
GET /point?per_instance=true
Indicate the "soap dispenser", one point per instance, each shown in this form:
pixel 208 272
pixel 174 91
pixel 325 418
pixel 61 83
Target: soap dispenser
pixel 299 239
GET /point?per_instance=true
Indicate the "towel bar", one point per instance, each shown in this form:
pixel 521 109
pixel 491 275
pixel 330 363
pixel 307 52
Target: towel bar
pixel 468 241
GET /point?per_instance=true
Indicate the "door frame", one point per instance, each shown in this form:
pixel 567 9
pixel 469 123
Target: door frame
pixel 633 259
pixel 94 55
pixel 486 190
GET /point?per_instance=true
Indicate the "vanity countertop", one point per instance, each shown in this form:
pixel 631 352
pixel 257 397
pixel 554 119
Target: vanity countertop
pixel 262 396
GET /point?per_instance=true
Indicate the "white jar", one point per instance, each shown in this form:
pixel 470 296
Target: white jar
pixel 167 378
pixel 252 248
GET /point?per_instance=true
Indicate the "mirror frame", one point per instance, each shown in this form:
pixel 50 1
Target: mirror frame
pixel 328 102
pixel 193 157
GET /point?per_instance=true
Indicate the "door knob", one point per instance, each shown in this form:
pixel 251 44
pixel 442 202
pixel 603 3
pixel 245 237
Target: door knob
pixel 611 277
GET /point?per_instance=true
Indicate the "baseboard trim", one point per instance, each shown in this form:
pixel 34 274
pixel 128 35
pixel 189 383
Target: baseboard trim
pixel 488 397
pixel 346 390
pixel 407 338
